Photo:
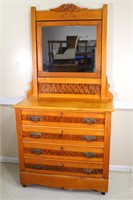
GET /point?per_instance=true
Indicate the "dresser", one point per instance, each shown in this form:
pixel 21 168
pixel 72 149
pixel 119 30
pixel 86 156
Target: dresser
pixel 64 124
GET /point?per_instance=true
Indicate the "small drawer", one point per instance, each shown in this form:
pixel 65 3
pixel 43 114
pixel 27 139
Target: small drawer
pixel 63 167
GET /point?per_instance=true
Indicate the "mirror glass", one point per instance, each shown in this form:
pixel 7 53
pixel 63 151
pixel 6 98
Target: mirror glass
pixel 69 49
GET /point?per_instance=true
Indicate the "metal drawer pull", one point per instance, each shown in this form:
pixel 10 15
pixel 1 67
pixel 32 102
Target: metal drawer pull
pixel 35 135
pixel 35 118
pixel 89 120
pixel 36 166
pixel 89 138
pixel 89 171
pixel 37 151
pixel 89 154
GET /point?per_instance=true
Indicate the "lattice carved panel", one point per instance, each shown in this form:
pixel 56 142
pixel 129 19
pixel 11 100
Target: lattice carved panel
pixel 92 89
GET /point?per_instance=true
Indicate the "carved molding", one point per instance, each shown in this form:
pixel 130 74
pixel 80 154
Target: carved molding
pixel 68 8
pixel 52 88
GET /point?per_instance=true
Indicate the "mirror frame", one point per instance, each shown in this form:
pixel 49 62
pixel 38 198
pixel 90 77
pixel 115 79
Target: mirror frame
pixel 73 14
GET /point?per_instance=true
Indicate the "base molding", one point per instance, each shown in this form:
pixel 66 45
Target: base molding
pixel 63 181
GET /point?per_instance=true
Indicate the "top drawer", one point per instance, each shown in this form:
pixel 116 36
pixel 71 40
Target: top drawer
pixel 61 118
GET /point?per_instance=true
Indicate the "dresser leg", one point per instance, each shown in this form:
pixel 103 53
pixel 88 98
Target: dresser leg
pixel 103 193
pixel 24 185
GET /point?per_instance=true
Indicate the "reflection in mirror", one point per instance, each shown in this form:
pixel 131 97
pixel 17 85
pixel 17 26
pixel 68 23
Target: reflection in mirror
pixel 69 49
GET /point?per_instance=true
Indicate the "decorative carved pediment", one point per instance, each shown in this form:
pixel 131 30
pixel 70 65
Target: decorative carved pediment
pixel 68 8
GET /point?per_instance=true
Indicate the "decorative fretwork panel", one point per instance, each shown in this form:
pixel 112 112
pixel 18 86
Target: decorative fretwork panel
pixel 92 89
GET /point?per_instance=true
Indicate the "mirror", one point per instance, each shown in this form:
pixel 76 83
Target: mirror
pixel 69 49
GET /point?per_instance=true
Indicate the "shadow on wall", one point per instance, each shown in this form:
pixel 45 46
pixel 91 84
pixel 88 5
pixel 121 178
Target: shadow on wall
pixel 8 138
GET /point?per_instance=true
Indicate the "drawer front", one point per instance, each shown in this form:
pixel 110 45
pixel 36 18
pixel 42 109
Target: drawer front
pixel 91 137
pixel 62 167
pixel 76 119
pixel 54 150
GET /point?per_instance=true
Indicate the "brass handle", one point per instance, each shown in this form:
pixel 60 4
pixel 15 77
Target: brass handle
pixel 37 151
pixel 35 135
pixel 89 154
pixel 89 138
pixel 37 166
pixel 89 171
pixel 89 120
pixel 35 118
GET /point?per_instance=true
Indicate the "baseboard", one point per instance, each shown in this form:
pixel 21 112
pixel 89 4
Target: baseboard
pixel 132 169
pixel 120 168
pixel 113 168
pixel 8 160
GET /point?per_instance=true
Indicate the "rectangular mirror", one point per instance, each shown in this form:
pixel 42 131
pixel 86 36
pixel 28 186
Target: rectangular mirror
pixel 73 50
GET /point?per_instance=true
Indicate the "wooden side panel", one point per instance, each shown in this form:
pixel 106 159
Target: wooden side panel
pixel 19 138
pixel 34 50
pixel 107 144
pixel 104 44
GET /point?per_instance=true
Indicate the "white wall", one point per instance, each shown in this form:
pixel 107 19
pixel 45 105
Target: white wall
pixel 16 67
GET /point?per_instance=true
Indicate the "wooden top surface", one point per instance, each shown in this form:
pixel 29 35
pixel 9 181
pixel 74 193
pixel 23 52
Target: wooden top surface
pixel 66 104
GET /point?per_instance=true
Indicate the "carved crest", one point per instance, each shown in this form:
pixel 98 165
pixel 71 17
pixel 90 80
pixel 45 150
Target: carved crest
pixel 68 8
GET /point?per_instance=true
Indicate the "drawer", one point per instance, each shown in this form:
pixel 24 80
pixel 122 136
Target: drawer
pixel 63 167
pixel 92 137
pixel 62 118
pixel 64 150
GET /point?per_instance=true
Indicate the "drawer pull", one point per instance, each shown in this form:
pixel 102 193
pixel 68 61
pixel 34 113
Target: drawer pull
pixel 89 171
pixel 35 118
pixel 89 120
pixel 36 166
pixel 35 135
pixel 89 138
pixel 89 154
pixel 37 151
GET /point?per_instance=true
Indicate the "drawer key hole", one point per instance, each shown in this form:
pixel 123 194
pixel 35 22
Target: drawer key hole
pixel 61 148
pixel 35 135
pixel 35 118
pixel 37 151
pixel 89 120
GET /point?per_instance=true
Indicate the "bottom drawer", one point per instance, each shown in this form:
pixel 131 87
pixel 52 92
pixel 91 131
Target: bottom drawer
pixel 63 167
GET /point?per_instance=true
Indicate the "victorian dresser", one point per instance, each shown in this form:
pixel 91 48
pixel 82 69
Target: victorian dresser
pixel 64 124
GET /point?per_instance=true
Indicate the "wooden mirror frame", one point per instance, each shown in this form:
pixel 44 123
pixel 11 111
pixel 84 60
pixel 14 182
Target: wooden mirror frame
pixel 72 15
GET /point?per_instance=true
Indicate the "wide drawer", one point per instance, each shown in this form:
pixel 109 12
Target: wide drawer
pixel 51 166
pixel 62 118
pixel 42 134
pixel 63 150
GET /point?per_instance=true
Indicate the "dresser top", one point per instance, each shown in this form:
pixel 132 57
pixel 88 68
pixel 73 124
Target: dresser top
pixel 66 104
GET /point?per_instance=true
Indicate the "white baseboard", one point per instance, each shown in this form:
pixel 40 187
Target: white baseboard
pixel 9 160
pixel 120 168
pixel 132 169
pixel 113 168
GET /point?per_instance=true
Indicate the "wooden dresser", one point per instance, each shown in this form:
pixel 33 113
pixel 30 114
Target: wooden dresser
pixel 63 126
